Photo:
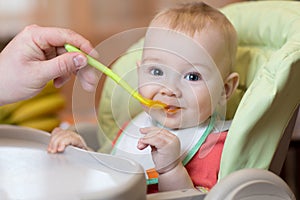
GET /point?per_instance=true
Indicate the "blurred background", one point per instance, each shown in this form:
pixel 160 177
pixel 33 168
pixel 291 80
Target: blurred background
pixel 97 20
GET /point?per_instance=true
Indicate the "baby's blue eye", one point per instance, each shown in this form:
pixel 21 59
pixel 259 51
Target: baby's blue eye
pixel 193 76
pixel 157 72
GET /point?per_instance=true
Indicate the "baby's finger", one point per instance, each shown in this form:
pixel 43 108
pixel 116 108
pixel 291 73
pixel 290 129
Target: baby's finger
pixel 147 130
pixel 53 146
pixel 57 136
pixel 55 131
pixel 141 145
pixel 158 138
pixel 61 147
pixel 74 139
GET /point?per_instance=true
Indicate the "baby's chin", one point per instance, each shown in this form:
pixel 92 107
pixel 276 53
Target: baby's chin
pixel 177 127
pixel 173 125
pixel 174 120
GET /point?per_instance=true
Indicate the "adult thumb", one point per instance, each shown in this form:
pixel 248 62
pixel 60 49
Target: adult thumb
pixel 62 65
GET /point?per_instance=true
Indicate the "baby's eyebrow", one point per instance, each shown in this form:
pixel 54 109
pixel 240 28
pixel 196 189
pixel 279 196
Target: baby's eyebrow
pixel 152 59
pixel 199 66
pixel 191 65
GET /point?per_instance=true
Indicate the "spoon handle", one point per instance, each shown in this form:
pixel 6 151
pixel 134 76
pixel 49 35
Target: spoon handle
pixel 93 62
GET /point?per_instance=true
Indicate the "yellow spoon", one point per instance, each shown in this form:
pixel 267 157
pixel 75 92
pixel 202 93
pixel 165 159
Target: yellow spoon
pixel 94 63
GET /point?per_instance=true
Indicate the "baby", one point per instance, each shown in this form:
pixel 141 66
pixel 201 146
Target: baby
pixel 188 55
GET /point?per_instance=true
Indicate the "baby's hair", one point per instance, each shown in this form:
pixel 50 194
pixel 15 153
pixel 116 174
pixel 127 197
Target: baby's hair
pixel 193 17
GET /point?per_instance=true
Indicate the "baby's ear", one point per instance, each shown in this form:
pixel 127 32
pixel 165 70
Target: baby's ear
pixel 138 63
pixel 230 84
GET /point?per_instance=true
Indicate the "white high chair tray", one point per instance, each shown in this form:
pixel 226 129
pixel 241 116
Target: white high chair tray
pixel 27 171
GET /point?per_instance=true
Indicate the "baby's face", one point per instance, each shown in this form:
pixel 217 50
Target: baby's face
pixel 178 72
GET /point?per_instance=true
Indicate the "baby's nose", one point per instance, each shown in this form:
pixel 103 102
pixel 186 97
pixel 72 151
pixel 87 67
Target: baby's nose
pixel 172 92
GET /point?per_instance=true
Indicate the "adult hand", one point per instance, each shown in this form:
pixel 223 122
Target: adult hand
pixel 37 55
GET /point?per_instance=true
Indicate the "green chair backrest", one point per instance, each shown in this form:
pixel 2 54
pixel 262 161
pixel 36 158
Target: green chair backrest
pixel 269 63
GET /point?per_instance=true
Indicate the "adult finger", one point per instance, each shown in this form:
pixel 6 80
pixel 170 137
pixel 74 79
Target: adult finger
pixel 88 78
pixel 62 65
pixel 47 37
pixel 60 81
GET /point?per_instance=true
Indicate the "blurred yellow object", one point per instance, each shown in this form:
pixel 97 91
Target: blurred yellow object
pixel 6 110
pixel 39 112
pixel 45 123
pixel 38 107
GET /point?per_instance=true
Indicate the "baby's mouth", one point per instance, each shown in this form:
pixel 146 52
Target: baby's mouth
pixel 172 109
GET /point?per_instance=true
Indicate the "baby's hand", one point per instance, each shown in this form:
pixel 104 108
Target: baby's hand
pixel 165 148
pixel 60 139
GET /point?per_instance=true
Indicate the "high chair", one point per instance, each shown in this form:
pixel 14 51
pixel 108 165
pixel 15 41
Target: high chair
pixel 263 109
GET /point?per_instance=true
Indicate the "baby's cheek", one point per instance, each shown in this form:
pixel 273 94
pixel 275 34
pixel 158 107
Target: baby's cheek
pixel 147 91
pixel 205 113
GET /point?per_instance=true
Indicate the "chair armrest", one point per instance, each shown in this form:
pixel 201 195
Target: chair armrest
pixel 251 184
pixel 185 194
